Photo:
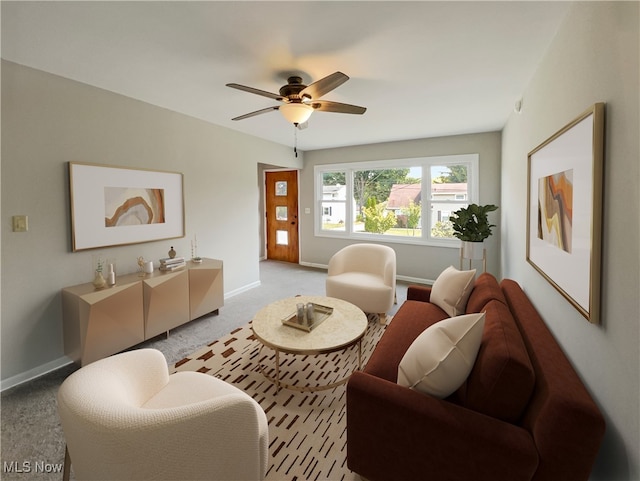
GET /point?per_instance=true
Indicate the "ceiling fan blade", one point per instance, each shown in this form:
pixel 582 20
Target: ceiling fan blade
pixel 324 85
pixel 327 106
pixel 252 90
pixel 257 112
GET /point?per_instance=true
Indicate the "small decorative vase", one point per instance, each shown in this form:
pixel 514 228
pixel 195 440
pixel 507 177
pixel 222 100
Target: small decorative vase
pixel 194 251
pixel 172 253
pixel 99 281
pixel 111 276
pixel 148 267
pixel 141 266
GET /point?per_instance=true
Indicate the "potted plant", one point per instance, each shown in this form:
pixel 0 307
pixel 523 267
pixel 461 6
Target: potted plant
pixel 471 225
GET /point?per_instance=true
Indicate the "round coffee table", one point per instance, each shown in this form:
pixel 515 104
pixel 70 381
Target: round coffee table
pixel 345 327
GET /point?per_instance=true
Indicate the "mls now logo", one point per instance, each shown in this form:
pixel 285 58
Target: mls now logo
pixel 29 467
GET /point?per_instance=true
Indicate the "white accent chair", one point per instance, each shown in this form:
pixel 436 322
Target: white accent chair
pixel 364 275
pixel 126 418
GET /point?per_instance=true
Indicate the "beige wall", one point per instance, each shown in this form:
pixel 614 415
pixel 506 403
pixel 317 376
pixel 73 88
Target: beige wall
pixel 48 121
pixel 594 57
pixel 415 262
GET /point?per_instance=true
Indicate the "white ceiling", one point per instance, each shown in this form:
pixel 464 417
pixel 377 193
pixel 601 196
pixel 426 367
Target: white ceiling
pixel 422 69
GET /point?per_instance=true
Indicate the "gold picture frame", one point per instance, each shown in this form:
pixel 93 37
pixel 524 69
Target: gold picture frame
pixel 564 210
pixel 112 206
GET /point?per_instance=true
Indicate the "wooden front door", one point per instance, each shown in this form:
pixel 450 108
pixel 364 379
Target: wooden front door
pixel 281 192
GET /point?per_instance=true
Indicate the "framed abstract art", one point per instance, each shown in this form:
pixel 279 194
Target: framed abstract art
pixel 564 210
pixel 113 206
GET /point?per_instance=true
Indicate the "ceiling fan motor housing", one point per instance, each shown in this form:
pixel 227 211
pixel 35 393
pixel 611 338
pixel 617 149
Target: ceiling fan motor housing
pixel 293 88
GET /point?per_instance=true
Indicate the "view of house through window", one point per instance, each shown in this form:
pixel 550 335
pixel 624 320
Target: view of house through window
pixel 449 192
pixel 412 202
pixel 388 201
pixel 334 201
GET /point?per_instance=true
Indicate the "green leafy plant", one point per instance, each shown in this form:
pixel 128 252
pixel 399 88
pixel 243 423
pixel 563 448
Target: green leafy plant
pixel 442 229
pixel 376 220
pixel 413 214
pixel 472 223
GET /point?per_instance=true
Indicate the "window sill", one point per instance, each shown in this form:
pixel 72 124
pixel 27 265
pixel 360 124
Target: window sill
pixel 389 239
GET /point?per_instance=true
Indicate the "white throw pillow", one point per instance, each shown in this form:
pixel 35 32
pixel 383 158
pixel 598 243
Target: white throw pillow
pixel 451 290
pixel 440 359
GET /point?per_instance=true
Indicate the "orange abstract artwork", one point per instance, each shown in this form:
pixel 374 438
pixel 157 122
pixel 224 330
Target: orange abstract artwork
pixel 555 209
pixel 131 206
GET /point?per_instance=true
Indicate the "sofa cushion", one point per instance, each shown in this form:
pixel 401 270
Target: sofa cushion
pixel 412 318
pixel 502 379
pixel 485 289
pixel 451 290
pixel 440 359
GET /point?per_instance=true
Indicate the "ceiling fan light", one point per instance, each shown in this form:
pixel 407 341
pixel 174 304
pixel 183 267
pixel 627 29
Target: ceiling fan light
pixel 296 113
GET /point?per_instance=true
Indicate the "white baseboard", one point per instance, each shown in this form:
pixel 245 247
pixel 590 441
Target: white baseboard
pixel 316 266
pixel 242 289
pixel 34 373
pixel 416 280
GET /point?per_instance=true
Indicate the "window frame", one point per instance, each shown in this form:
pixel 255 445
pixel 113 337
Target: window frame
pixel 348 168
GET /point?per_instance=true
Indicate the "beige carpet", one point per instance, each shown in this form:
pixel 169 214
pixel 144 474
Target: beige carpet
pixel 307 431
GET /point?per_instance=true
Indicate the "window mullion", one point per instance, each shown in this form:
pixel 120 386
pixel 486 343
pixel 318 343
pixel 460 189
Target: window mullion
pixel 425 193
pixel 348 175
pixel 428 194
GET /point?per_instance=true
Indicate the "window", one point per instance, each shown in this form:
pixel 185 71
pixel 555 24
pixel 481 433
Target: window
pixel 404 200
pixel 333 201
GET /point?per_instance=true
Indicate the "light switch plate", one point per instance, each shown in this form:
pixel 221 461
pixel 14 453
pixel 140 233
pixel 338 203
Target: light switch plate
pixel 20 223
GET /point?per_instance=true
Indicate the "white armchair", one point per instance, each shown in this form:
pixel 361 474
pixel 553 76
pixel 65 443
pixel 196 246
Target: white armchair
pixel 364 275
pixel 126 418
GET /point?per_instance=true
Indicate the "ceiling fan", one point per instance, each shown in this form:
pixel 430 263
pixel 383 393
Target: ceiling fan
pixel 300 101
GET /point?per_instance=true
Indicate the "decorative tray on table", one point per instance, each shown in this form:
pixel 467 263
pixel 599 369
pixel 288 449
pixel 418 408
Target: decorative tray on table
pixel 320 314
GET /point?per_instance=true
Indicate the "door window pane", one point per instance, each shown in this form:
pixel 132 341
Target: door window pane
pixel 282 237
pixel 281 212
pixel 281 188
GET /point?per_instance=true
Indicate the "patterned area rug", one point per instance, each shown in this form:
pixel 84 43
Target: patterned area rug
pixel 307 430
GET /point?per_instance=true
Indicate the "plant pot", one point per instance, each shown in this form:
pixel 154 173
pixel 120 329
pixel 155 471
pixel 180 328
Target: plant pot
pixel 472 250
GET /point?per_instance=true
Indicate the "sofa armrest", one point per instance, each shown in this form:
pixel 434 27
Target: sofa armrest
pixel 395 433
pixel 419 293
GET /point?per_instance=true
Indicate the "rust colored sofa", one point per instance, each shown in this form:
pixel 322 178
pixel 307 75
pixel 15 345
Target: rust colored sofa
pixel 522 414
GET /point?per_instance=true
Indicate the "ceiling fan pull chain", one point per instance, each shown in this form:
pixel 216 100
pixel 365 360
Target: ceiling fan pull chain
pixel 295 140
